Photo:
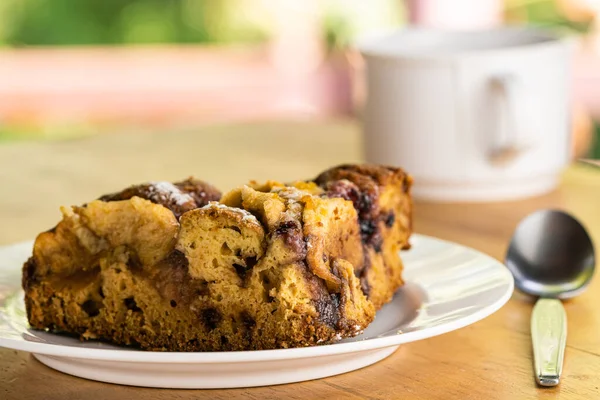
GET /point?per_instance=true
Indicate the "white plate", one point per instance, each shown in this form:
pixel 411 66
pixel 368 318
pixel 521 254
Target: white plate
pixel 448 287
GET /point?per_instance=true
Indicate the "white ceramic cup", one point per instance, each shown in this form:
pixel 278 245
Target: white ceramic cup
pixel 473 116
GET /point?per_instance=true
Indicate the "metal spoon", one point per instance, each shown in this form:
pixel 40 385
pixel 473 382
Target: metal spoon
pixel 551 256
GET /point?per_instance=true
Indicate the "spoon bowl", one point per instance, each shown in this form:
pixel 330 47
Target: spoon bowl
pixel 551 255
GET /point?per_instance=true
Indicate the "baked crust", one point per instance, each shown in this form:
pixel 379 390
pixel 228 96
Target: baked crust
pixel 382 198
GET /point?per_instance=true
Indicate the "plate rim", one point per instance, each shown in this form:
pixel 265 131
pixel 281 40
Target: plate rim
pixel 222 357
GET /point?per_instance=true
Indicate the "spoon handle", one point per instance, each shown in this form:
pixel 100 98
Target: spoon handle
pixel 549 336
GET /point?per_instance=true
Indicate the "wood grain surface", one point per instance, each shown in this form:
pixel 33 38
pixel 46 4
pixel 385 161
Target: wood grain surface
pixel 488 360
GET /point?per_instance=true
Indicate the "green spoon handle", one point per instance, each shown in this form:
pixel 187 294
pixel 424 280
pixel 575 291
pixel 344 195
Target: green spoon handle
pixel 549 336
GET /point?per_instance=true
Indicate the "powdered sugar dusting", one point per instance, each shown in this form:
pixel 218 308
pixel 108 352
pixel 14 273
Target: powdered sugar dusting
pixel 290 193
pixel 171 191
pixel 246 216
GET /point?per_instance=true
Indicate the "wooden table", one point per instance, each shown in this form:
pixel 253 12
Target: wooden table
pixel 488 360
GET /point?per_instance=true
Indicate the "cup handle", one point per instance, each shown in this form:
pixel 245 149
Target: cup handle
pixel 507 145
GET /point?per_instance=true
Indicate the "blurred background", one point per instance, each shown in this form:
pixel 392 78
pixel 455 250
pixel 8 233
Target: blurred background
pixel 70 68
